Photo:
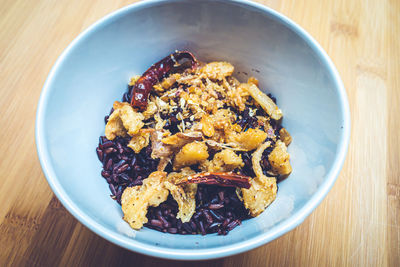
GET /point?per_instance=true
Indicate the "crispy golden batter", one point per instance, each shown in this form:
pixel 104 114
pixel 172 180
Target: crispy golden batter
pixel 168 82
pixel 190 154
pixel 124 120
pixel 176 177
pixel 155 190
pixel 178 140
pixel 135 200
pixel 260 194
pixel 250 139
pixel 279 159
pixel 150 110
pixel 132 120
pixel 285 136
pixel 224 161
pixel 207 126
pixel 139 141
pixel 222 119
pixel 115 127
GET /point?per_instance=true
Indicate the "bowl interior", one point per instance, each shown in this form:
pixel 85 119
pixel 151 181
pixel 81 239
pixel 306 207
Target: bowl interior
pixel 94 72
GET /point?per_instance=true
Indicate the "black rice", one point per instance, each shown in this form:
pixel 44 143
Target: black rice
pixel 121 166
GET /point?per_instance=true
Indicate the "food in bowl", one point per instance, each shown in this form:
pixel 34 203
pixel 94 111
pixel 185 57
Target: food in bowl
pixel 191 150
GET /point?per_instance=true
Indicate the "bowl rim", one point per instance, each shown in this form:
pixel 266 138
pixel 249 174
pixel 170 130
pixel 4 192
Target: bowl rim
pixel 207 253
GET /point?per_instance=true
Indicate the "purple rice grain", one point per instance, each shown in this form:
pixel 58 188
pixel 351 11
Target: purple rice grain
pixel 272 97
pixel 105 174
pixel 201 226
pixel 120 149
pixel 187 227
pixel 215 206
pixel 226 222
pixel 112 188
pixel 157 223
pixel 193 226
pixel 165 223
pixel 106 144
pixel 216 215
pixel 125 177
pixel 114 177
pixel 99 154
pixel 109 150
pixel 232 225
pixel 208 216
pixel 172 230
pixel 221 195
pixel 108 164
pixel 126 97
pixel 122 168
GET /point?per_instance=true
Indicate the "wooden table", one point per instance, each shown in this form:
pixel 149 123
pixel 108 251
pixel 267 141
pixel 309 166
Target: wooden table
pixel 357 224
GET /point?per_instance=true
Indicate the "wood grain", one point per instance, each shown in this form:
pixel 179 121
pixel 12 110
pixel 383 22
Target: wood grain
pixel 357 224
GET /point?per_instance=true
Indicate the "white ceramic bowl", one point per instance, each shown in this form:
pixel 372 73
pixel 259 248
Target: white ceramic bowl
pixel 94 70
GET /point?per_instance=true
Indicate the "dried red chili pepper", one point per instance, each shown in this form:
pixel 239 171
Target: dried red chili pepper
pixel 143 86
pixel 228 179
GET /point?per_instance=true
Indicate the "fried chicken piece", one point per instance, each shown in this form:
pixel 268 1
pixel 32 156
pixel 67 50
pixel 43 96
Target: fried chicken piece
pixel 279 159
pixel 136 200
pixel 123 121
pixel 190 154
pixel 260 194
pixel 251 139
pixel 224 161
pixel 139 141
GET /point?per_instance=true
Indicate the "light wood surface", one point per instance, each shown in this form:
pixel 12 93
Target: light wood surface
pixel 357 224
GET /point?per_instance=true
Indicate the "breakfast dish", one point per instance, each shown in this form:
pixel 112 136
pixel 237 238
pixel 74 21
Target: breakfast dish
pixel 191 150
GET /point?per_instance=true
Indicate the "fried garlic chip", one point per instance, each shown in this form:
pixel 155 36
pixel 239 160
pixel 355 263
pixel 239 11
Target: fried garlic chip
pixel 136 200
